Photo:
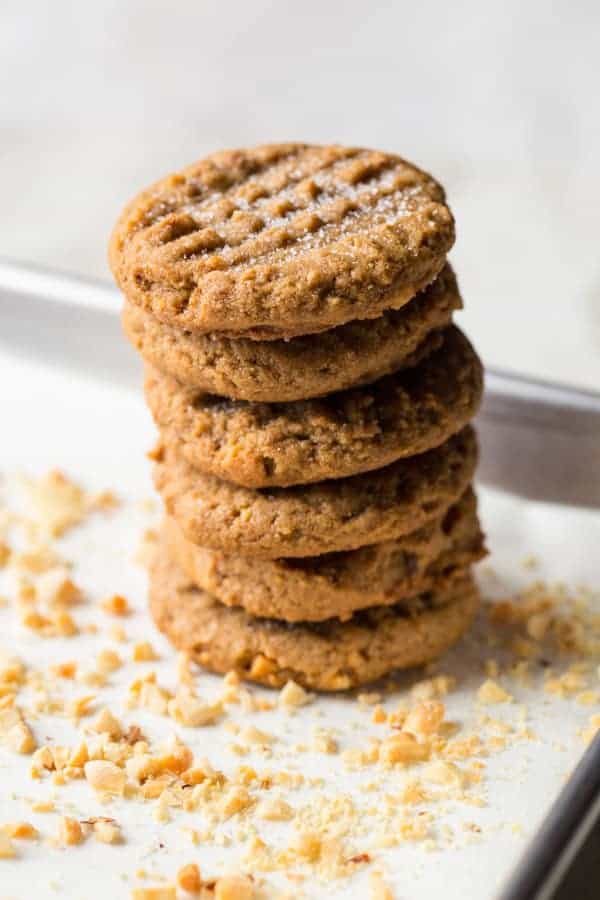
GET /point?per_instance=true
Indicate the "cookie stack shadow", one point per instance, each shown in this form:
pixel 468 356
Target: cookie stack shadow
pixel 294 306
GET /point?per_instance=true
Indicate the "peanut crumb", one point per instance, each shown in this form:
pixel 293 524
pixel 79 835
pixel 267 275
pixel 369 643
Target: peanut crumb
pixel 275 810
pixel 105 777
pixel 117 633
pixel 79 707
pixel 379 715
pixel 189 710
pixel 70 831
pixel 107 831
pixel 234 888
pixel 378 889
pixel 116 605
pixel 42 806
pixel 426 718
pixel 293 695
pixel 21 830
pixel 369 699
pixel 162 892
pixel 7 848
pixel 403 749
pixel 5 554
pixel 106 723
pixel 490 692
pixel 323 742
pixel 144 652
pixel 56 588
pixel 108 661
pixel 188 879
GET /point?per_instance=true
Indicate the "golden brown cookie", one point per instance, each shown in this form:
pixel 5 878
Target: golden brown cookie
pixel 274 371
pixel 282 240
pixel 317 518
pixel 281 444
pixel 325 656
pixel 337 584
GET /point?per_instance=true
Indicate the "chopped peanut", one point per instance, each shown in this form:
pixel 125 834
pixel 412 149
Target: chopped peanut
pixel 107 831
pixel 292 695
pixel 235 800
pixel 403 749
pixel 80 706
pixel 188 879
pixel 69 831
pixel 275 810
pixel 116 605
pixel 379 715
pixel 21 830
pixel 56 589
pixel 378 889
pixel 108 661
pixel 234 888
pixel 7 848
pixel 60 503
pixel 425 718
pixel 491 692
pixel 15 731
pixel 64 670
pixel 105 777
pixel 189 710
pixel 5 554
pixel 106 723
pixel 164 892
pixel 144 652
pixel 42 806
pixel 440 772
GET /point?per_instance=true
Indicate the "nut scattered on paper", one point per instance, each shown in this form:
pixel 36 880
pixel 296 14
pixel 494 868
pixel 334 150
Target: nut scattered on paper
pixel 409 759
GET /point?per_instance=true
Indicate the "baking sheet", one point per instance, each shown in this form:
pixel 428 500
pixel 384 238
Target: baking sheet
pixel 98 433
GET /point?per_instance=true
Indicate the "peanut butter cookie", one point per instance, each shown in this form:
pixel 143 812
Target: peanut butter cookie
pixel 282 240
pixel 281 444
pixel 356 353
pixel 325 656
pixel 306 520
pixel 336 585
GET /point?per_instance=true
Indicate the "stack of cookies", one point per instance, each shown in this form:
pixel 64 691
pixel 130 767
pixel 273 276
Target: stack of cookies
pixel 293 305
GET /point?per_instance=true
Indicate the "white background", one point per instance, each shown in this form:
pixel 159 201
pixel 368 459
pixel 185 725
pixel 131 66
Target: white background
pixel 499 100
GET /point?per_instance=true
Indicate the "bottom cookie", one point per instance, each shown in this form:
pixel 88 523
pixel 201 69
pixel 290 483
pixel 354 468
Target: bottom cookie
pixel 324 656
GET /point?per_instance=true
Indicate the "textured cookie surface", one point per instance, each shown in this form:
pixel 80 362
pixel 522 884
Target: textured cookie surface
pixel 282 240
pixel 280 444
pixel 337 584
pixel 325 656
pixel 317 518
pixel 356 353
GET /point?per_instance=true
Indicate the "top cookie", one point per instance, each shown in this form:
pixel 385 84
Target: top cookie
pixel 282 240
